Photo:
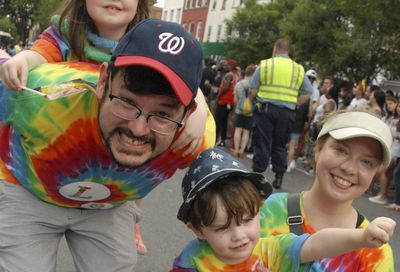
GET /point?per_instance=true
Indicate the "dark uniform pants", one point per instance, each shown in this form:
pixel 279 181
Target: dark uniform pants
pixel 271 133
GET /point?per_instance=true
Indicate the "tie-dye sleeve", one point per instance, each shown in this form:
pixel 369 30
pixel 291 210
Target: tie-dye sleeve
pixel 4 109
pixel 51 46
pixel 185 261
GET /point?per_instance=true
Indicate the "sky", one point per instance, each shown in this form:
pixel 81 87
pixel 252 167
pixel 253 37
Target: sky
pixel 160 3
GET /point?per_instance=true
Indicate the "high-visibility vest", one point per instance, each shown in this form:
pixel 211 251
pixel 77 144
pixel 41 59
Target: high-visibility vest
pixel 280 79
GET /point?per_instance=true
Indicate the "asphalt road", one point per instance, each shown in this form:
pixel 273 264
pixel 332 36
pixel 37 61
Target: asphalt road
pixel 165 236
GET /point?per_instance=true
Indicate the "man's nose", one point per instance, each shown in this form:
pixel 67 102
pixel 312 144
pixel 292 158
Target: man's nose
pixel 139 126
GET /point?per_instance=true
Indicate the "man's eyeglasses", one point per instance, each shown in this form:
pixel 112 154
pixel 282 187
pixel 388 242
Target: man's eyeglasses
pixel 125 109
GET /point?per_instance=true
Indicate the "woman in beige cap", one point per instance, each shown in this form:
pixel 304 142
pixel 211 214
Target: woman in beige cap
pixel 351 147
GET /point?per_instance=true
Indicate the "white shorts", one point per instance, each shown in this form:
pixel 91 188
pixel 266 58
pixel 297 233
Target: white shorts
pixel 30 232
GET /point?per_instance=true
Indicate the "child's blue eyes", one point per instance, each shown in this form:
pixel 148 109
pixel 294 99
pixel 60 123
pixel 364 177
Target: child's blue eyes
pixel 221 229
pixel 224 228
pixel 247 220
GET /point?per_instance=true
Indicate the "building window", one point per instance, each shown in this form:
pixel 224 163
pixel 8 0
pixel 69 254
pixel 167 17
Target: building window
pixel 209 33
pixel 191 28
pixel 178 15
pixel 214 5
pixel 219 30
pixel 198 3
pixel 199 29
pixel 187 4
pixel 165 14
pixel 171 15
pixel 223 4
pixel 193 3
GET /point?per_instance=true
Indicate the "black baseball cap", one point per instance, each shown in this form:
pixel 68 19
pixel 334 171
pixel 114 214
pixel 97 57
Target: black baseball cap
pixel 167 48
pixel 211 165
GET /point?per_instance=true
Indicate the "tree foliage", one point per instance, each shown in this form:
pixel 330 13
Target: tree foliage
pixel 45 9
pixel 253 30
pixel 348 39
pixel 20 13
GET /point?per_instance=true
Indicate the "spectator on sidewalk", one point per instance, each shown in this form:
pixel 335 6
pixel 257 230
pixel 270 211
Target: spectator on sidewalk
pixel 207 80
pixel 344 98
pixel 385 175
pixel 303 104
pixel 328 106
pixel 377 101
pixel 244 109
pixel 359 100
pixel 225 101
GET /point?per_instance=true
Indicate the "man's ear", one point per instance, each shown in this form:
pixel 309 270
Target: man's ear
pixel 101 84
pixel 197 232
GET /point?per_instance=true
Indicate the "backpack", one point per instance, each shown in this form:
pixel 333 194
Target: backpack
pixel 246 105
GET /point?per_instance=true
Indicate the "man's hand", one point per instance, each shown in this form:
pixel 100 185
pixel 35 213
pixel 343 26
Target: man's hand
pixel 195 125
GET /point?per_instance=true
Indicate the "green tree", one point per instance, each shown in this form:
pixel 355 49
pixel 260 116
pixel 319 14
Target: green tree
pixel 253 29
pixel 23 14
pixel 251 32
pixel 20 13
pixel 6 26
pixel 45 9
pixel 348 39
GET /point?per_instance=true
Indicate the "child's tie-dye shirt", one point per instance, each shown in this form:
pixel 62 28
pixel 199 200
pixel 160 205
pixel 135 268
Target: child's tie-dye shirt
pixel 273 222
pixel 54 148
pixel 274 253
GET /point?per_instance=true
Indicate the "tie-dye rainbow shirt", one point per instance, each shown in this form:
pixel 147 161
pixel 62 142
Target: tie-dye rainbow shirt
pixel 54 149
pixel 273 222
pixel 274 253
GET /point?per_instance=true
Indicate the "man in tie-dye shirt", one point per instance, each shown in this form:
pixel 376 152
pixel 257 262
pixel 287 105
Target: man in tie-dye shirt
pixel 222 201
pixel 73 153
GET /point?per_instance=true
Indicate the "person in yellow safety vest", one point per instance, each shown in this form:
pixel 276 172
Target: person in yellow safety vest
pixel 18 47
pixel 275 86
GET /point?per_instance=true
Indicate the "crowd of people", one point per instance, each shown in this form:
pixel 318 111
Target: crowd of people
pixel 310 110
pixel 76 158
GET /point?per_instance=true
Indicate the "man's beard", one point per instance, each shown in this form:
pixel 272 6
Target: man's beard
pixel 128 133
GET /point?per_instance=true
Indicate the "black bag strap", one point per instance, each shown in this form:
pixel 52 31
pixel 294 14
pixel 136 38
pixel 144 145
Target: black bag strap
pixel 294 219
pixel 360 219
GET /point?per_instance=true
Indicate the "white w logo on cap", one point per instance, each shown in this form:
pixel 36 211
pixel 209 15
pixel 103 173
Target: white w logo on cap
pixel 170 43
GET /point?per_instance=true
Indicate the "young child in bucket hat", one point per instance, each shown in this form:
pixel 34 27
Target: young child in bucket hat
pixel 221 206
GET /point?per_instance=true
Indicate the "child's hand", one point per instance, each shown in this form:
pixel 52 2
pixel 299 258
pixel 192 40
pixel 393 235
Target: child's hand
pixel 379 231
pixel 14 72
pixel 193 131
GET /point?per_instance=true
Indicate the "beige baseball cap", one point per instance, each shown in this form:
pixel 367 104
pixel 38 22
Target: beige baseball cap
pixel 347 125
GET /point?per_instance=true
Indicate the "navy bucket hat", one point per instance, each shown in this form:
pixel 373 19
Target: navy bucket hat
pixel 212 165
